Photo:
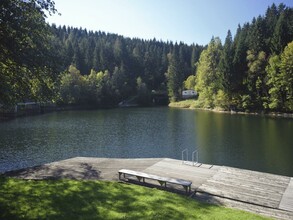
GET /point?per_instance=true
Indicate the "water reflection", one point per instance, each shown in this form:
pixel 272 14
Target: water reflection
pixel 251 142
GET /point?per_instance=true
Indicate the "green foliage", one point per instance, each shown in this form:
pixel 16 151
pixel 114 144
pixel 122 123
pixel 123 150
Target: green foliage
pixel 33 57
pixel 25 45
pixel 286 69
pixel 125 58
pixel 274 82
pixel 246 102
pixel 189 103
pixel 283 31
pixel 98 89
pixel 280 80
pixel 174 77
pixel 209 78
pixel 190 82
pixel 34 54
pixel 71 199
pixel 144 95
pixel 119 82
pixel 256 38
pixel 72 86
pixel 225 65
pixel 95 83
pixel 256 76
pixel 239 66
pixel 221 100
pixel 246 74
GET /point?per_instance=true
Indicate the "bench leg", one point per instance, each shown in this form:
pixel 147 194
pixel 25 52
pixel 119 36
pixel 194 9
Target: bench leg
pixel 162 183
pixel 140 178
pixel 120 175
pixel 187 189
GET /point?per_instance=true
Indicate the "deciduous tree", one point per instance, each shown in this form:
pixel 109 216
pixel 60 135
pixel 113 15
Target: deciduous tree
pixel 25 47
pixel 209 78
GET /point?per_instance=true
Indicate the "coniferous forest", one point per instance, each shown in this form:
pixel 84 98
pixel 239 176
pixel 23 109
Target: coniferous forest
pixel 252 71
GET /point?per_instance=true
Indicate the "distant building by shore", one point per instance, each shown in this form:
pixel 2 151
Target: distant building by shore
pixel 26 108
pixel 188 94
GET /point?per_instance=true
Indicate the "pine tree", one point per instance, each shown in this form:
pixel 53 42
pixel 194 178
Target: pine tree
pixel 271 19
pixel 196 50
pixel 226 62
pixel 283 33
pixel 239 60
pixel 173 76
pixel 256 35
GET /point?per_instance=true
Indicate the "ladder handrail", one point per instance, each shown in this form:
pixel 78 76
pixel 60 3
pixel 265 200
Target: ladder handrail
pixel 196 151
pixel 185 150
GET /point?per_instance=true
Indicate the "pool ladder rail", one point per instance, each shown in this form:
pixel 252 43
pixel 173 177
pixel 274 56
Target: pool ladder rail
pixel 194 157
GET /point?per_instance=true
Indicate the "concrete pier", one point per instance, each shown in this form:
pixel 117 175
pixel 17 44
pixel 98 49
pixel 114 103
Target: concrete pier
pixel 262 193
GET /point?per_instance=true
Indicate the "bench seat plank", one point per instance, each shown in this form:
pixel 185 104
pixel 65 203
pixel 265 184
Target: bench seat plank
pixel 186 184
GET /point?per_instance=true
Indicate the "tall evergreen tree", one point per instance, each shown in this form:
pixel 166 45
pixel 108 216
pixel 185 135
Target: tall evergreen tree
pixel 283 32
pixel 239 60
pixel 196 50
pixel 271 19
pixel 226 62
pixel 256 40
pixel 173 76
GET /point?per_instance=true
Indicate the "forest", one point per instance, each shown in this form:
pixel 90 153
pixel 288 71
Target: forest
pixel 104 69
pixel 252 71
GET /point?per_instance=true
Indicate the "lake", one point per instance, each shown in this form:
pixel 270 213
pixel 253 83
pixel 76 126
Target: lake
pixel 245 141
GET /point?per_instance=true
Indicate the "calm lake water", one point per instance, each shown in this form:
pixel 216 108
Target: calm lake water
pixel 245 141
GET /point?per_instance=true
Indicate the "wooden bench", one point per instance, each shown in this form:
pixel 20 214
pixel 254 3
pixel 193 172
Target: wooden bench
pixel 162 180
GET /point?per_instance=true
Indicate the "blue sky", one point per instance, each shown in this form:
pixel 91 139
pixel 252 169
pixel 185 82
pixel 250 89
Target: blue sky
pixel 189 21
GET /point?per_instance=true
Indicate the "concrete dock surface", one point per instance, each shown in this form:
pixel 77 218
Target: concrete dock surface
pixel 262 193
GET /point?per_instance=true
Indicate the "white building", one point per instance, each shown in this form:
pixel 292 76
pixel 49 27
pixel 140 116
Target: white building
pixel 187 94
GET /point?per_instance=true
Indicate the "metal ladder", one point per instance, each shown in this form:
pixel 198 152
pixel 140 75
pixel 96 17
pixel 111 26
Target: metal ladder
pixel 194 157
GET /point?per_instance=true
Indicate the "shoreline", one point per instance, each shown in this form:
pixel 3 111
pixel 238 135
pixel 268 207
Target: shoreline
pixel 273 200
pixel 181 105
pixel 269 114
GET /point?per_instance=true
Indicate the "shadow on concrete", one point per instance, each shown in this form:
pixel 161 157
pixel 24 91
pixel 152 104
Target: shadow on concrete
pixel 155 184
pixel 82 171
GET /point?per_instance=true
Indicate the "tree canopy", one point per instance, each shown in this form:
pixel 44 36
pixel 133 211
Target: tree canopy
pixel 135 66
pixel 27 64
pixel 253 71
pixel 67 65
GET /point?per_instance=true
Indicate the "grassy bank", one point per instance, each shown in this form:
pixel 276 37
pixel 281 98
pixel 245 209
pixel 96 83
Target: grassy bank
pixel 189 103
pixel 194 104
pixel 70 199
